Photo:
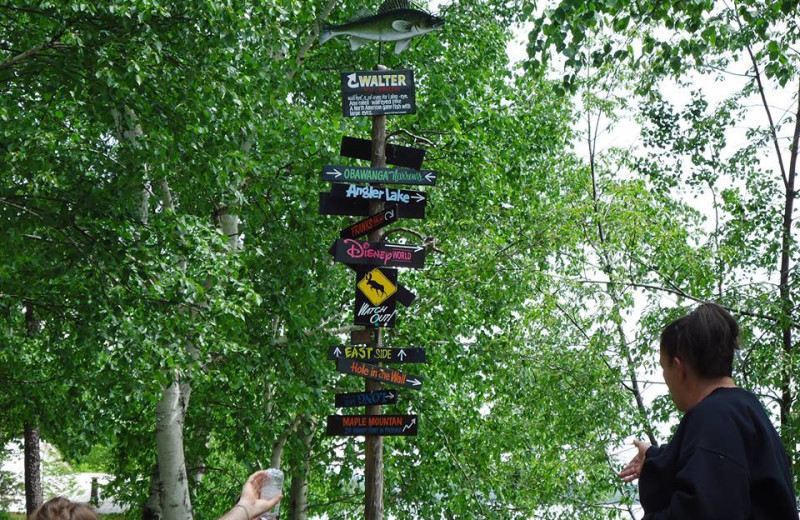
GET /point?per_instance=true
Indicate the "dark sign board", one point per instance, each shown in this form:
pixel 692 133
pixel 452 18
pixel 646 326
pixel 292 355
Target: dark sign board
pixel 378 92
pixel 377 354
pixel 405 156
pixel 362 252
pixel 354 425
pixel 384 375
pixel 356 192
pixel 370 224
pixel 330 205
pixel 379 175
pixel 375 304
pixel 366 398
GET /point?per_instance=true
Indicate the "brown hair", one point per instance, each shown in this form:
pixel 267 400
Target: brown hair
pixel 59 508
pixel 705 339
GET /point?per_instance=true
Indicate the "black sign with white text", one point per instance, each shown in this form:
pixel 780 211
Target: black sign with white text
pixel 378 92
pixel 371 193
pixel 378 175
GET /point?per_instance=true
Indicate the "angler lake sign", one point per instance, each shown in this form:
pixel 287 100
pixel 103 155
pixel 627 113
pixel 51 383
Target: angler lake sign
pixel 354 425
pixel 379 175
pixel 360 252
pixel 376 93
pixel 356 192
pixel 366 398
pixel 384 375
pixel 377 354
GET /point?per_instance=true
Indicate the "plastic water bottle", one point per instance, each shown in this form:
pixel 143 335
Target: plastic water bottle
pixel 273 485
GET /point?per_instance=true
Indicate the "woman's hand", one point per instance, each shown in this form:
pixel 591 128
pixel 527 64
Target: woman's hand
pixel 634 468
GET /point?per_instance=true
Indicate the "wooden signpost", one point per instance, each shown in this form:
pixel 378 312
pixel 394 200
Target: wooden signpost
pixel 376 93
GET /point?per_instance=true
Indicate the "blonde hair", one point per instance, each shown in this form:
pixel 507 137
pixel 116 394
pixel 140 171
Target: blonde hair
pixel 59 508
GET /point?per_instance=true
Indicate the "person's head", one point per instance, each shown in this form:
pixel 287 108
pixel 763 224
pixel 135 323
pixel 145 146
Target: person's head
pixel 699 345
pixel 59 508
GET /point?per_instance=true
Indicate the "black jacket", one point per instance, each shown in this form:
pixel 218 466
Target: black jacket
pixel 725 462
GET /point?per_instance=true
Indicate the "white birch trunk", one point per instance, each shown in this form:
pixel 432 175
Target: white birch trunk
pixel 174 491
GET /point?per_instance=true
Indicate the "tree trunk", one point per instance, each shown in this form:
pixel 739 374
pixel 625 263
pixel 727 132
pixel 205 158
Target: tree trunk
pixel 152 509
pixel 298 493
pixel 33 473
pixel 174 492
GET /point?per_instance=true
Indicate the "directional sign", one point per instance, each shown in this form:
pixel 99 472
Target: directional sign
pixel 374 93
pixel 354 191
pixel 360 252
pixel 375 305
pixel 377 354
pixel 331 205
pixel 385 375
pixel 396 155
pixel 366 398
pixel 370 224
pixel 354 425
pixel 379 175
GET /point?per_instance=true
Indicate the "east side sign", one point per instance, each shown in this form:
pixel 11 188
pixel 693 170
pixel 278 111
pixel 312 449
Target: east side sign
pixel 377 354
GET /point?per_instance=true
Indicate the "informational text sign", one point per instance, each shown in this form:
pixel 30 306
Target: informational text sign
pixel 375 304
pixel 355 425
pixel 378 92
pixel 371 193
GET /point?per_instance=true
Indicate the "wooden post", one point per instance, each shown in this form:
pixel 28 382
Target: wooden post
pixel 373 472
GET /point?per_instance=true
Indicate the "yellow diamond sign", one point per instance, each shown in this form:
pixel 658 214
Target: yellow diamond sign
pixel 376 287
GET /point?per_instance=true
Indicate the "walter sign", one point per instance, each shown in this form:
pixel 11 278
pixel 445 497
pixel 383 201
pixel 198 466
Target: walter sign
pixel 375 93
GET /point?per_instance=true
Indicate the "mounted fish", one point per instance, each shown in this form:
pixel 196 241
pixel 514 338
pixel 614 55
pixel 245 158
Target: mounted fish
pixel 395 21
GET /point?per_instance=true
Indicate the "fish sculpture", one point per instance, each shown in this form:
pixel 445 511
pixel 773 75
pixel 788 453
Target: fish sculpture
pixel 395 21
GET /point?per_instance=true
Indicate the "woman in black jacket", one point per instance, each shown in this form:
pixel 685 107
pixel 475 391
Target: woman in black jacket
pixel 725 461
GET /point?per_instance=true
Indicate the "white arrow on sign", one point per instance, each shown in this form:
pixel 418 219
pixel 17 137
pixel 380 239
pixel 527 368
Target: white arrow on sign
pixel 337 352
pixel 416 249
pixel 415 382
pixel 419 197
pixel 402 354
pixel 430 177
pixel 337 173
pixel 409 425
pixel 390 395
